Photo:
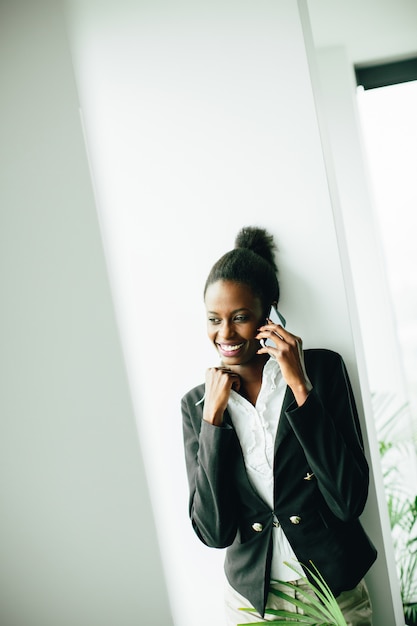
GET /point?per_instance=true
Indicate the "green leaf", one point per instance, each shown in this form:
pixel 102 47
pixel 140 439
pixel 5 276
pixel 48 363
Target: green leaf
pixel 299 617
pixel 320 607
pixel 313 607
pixel 303 617
pixel 295 619
pixel 313 600
pixel 330 601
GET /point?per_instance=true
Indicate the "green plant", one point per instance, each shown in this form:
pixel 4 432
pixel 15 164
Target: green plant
pixel 405 546
pixel 319 606
pixel 397 444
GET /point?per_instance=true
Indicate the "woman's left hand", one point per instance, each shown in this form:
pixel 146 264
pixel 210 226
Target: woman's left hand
pixel 288 351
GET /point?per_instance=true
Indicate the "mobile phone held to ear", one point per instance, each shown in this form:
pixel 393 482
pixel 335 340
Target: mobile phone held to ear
pixel 276 317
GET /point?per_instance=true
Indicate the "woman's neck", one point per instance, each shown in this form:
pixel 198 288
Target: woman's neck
pixel 251 378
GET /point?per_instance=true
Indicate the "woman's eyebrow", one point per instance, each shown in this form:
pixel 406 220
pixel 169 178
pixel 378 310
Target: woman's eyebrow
pixel 233 312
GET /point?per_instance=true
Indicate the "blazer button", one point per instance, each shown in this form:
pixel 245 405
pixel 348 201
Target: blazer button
pixel 294 519
pixel 257 527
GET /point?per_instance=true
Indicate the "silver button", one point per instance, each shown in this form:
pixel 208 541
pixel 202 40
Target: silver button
pixel 294 519
pixel 275 523
pixel 257 527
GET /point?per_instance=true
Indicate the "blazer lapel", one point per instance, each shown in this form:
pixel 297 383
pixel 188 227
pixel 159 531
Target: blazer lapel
pixel 283 426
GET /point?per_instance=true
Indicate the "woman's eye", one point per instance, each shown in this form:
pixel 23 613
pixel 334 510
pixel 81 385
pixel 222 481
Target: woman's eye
pixel 237 319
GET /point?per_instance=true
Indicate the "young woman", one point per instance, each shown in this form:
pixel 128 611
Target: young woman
pixel 273 447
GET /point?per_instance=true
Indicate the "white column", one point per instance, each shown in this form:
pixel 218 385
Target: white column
pixel 78 541
pixel 367 295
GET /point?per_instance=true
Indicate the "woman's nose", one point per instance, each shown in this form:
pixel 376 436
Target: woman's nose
pixel 227 329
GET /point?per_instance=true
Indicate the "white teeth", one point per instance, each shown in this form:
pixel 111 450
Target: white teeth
pixel 230 348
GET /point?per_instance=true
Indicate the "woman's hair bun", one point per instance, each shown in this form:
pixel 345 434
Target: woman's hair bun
pixel 259 241
pixel 251 262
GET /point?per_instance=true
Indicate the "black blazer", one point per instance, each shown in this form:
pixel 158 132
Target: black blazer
pixel 321 482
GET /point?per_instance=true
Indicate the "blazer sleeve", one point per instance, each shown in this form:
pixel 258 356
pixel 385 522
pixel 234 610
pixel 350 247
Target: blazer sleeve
pixel 208 454
pixel 327 427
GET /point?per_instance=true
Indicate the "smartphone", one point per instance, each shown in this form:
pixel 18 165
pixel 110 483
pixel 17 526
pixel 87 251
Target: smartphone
pixel 276 317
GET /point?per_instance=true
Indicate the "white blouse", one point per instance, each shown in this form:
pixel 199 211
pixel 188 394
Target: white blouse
pixel 256 428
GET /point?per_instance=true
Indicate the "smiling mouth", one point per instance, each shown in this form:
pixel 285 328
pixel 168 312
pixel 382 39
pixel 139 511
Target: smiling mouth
pixel 228 348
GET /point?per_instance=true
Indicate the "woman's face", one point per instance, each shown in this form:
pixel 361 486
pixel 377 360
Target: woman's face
pixel 234 315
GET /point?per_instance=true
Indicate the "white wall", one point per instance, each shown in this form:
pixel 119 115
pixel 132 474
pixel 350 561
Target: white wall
pixel 78 545
pixel 200 118
pixel 371 31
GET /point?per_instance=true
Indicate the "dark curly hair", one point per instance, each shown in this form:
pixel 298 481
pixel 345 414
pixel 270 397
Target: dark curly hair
pixel 251 262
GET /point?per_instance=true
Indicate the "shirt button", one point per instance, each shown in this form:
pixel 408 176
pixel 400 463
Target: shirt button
pixel 257 527
pixel 294 519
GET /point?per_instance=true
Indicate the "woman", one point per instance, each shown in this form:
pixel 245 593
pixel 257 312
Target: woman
pixel 273 447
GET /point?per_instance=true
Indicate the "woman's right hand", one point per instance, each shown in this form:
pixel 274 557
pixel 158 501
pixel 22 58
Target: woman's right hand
pixel 219 382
